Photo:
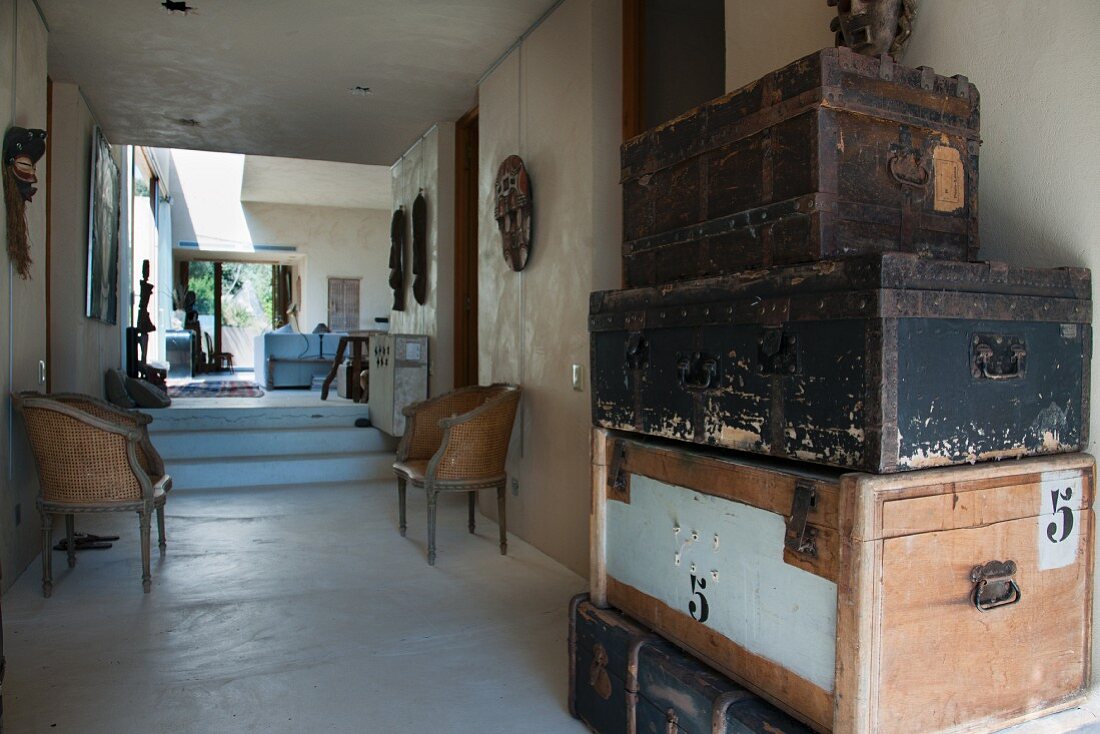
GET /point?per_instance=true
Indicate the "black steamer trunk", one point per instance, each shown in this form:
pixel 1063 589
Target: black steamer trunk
pixel 881 363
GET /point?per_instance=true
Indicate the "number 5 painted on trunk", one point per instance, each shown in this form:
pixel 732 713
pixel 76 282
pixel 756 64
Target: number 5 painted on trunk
pixel 1067 515
pixel 700 611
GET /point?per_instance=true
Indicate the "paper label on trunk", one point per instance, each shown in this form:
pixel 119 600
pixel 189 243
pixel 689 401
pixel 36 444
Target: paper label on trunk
pixel 950 179
pixel 1058 528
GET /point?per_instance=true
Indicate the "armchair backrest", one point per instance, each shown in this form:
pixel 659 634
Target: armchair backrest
pixel 475 443
pixel 86 451
pixel 423 429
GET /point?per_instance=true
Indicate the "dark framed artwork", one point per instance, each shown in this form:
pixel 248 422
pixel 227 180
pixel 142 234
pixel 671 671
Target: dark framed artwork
pixel 103 220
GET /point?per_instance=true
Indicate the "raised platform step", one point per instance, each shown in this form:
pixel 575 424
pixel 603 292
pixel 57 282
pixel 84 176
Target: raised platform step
pixel 254 442
pixel 342 413
pixel 267 471
pixel 228 446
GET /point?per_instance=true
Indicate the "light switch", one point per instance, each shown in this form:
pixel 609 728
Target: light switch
pixel 578 377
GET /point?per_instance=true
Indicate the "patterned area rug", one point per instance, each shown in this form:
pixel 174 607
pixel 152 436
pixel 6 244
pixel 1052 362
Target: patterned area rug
pixel 216 389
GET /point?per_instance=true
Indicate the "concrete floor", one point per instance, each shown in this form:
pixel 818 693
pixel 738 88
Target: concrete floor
pixel 300 609
pixel 293 610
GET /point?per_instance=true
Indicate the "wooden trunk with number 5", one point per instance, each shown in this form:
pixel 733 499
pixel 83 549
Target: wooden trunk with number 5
pixel 945 600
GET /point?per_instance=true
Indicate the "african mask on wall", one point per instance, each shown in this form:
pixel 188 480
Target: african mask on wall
pixel 513 211
pixel 873 27
pixel 22 150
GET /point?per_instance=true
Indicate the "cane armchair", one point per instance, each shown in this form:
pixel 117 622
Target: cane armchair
pixel 92 457
pixel 457 442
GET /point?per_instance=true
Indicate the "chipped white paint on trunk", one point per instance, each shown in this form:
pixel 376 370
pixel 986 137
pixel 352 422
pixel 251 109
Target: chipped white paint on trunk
pixel 742 585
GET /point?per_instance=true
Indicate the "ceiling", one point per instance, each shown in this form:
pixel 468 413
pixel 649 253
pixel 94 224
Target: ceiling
pixel 315 183
pixel 272 77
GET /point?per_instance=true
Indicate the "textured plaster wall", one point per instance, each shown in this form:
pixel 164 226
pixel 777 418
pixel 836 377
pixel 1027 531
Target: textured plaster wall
pixel 90 345
pixel 430 165
pixel 330 241
pixel 1040 166
pixel 338 243
pixel 23 327
pixel 556 102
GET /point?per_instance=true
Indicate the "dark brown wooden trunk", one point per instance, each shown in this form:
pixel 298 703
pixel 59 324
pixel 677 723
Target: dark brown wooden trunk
pixel 833 156
pixel 883 363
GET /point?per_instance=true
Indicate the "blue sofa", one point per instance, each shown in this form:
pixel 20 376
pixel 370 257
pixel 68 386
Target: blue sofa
pixel 292 359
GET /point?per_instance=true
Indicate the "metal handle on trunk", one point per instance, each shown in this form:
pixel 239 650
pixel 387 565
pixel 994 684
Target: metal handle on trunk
pixel 907 170
pixel 994 586
pixel 997 357
pixel 697 372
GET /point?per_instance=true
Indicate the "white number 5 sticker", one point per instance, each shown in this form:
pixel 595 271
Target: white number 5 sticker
pixel 1059 520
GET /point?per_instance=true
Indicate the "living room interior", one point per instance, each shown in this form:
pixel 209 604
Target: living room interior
pixel 287 600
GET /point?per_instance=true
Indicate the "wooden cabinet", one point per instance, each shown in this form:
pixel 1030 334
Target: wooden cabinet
pixel 947 600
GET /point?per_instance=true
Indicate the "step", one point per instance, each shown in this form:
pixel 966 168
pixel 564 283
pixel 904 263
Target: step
pixel 342 413
pixel 272 442
pixel 304 469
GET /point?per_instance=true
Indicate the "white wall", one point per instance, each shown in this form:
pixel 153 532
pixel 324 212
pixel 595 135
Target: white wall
pixel 82 349
pixel 23 326
pixel 430 165
pixel 336 242
pixel 556 101
pixel 1039 164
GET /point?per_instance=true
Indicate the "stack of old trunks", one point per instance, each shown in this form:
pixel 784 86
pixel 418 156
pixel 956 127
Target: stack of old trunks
pixel 834 455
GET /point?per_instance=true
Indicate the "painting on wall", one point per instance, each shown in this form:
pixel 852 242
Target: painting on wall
pixel 103 221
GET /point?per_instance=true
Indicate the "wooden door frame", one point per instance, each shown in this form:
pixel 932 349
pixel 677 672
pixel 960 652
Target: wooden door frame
pixel 466 248
pixel 49 242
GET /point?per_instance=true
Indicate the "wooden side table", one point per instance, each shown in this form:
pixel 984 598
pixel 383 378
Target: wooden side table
pixel 358 341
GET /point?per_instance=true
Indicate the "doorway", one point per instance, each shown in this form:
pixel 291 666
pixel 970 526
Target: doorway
pixel 466 196
pixel 674 58
pixel 235 302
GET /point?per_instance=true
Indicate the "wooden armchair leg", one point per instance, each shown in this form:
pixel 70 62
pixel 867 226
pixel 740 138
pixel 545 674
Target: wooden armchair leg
pixel 146 575
pixel 161 542
pixel 502 519
pixel 70 539
pixel 433 495
pixel 401 507
pixel 473 508
pixel 47 567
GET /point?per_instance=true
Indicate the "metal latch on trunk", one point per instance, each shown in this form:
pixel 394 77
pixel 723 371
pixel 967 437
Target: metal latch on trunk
pixel 616 475
pixel 800 537
pixel 777 352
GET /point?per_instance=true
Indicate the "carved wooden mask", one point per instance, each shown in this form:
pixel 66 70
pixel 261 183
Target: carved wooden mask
pixel 513 211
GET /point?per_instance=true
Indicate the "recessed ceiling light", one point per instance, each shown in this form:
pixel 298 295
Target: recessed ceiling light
pixel 360 91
